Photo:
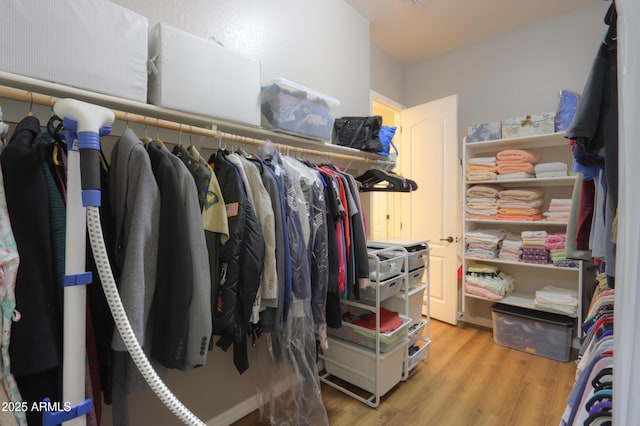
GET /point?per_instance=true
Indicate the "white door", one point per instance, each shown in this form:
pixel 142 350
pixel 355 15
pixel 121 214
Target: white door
pixel 429 156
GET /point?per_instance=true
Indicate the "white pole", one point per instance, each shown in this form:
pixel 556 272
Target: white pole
pixel 74 342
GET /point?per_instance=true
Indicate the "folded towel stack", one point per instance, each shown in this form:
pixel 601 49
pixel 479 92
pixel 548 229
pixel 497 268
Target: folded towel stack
pixel 482 201
pixel 483 243
pixel 555 243
pixel 559 209
pixel 510 248
pixel 481 168
pixel 516 164
pixel 533 247
pixel 520 204
pixel 487 281
pixel 556 299
pixel 547 170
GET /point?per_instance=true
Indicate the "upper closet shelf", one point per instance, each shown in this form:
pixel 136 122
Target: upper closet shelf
pixel 526 142
pixel 45 93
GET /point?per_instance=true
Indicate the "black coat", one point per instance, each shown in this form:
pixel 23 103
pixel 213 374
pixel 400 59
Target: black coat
pixel 241 261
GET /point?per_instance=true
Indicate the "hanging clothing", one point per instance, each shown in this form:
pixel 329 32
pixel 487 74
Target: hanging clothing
pixel 174 279
pixel 36 338
pixel 241 261
pixel 9 262
pixel 216 227
pixel 135 201
pixel 199 320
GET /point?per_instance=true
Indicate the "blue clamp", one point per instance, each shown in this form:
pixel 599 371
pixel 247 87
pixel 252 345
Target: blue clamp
pixel 54 418
pixel 77 279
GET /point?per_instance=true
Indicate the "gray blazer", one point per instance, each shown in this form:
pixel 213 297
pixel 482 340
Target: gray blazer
pixel 200 326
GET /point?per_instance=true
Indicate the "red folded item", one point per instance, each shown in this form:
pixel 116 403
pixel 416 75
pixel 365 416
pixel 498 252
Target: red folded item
pixel 389 320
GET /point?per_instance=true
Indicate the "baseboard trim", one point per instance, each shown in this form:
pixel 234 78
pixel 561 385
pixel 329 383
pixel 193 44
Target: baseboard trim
pixel 235 413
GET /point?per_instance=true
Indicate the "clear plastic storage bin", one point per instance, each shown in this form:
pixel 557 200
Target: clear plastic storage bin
pixel 291 108
pixel 541 333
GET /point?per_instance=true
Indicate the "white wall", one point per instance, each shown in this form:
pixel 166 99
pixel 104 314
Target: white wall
pixel 323 45
pixel 516 74
pixel 387 75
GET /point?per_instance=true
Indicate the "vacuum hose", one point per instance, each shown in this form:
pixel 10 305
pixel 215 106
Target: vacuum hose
pixel 122 322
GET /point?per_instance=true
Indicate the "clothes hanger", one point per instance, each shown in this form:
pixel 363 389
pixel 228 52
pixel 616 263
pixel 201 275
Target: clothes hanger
pixel 371 179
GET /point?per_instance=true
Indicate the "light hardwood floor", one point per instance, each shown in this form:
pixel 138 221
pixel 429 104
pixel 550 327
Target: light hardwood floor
pixel 467 380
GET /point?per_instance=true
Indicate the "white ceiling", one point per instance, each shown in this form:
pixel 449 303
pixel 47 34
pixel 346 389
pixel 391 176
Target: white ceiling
pixel 411 33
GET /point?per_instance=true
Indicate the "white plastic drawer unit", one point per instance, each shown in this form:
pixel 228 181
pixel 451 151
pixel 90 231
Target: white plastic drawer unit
pixel 357 365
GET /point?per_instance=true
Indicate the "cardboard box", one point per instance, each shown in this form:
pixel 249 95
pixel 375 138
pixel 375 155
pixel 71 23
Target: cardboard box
pixel 484 132
pixel 197 75
pixel 529 125
pixel 91 45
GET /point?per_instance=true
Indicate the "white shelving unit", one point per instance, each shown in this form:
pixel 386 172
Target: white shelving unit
pixel 364 361
pixel 375 361
pixel 414 300
pixel 528 277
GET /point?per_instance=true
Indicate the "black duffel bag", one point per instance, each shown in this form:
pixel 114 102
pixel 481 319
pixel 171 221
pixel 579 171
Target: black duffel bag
pixel 359 132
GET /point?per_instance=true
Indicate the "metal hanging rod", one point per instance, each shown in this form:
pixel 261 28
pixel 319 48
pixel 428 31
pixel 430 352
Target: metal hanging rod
pixel 36 98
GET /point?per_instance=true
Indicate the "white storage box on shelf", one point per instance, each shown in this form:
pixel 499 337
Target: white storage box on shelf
pixel 366 337
pixel 92 45
pixel 196 75
pixel 289 107
pixel 357 365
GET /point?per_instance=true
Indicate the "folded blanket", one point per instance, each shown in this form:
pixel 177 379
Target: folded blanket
pixel 550 167
pixel 469 215
pixel 518 155
pixel 512 217
pixel 481 200
pixel 489 190
pixel 480 176
pixel 481 212
pixel 557 214
pixel 504 168
pixel 517 204
pixel 533 234
pixel 534 243
pixel 494 235
pixel 482 206
pixel 482 160
pixel 481 168
pixel 553 208
pixel 482 268
pixel 525 194
pixel 516 175
pixel 482 292
pixel 558 219
pixel 556 237
pixel 558 173
pixel 560 202
pixel 519 212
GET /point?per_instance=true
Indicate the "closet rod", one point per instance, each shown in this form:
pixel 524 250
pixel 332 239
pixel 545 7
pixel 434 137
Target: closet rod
pixel 31 97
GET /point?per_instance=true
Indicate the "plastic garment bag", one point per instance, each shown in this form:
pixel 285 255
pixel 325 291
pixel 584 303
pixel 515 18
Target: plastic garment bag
pixel 288 386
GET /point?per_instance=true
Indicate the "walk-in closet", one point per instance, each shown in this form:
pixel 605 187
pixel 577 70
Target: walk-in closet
pixel 380 212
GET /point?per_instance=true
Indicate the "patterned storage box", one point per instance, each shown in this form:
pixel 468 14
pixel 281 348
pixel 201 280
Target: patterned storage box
pixel 528 125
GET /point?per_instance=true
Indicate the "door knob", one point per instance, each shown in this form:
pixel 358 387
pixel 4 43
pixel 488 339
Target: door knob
pixel 448 239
